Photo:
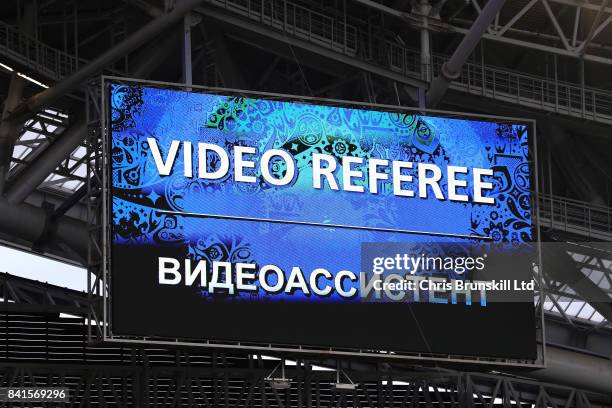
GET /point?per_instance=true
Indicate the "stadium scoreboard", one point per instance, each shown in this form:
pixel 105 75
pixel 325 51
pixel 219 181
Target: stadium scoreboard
pixel 240 218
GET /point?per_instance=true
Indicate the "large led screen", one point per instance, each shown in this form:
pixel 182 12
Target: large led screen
pixel 266 220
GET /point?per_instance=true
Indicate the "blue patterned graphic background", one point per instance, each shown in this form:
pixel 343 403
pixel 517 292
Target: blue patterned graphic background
pixel 138 192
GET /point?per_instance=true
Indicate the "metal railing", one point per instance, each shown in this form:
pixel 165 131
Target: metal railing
pixel 325 30
pixel 575 217
pixel 298 21
pixel 35 55
pixel 361 42
pixel 532 91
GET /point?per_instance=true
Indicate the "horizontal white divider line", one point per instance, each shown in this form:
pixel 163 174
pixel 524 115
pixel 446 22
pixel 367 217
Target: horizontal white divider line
pixel 318 224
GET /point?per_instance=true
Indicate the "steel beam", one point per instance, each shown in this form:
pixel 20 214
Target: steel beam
pixel 517 41
pixel 234 20
pixel 35 173
pixel 578 334
pixel 44 165
pixel 9 132
pixel 186 50
pixel 556 25
pixel 97 65
pixel 558 265
pixel 144 63
pixel 568 153
pixel 452 68
pixel 27 295
pixel 26 222
pixel 70 202
pixel 414 19
pixel 498 34
pixel 426 71
pixel 151 10
pixel 577 370
pixel 592 30
pixel 270 45
pixel 230 73
pixel 267 72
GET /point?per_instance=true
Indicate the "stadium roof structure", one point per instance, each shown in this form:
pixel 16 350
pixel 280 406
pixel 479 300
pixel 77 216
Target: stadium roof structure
pixel 547 60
